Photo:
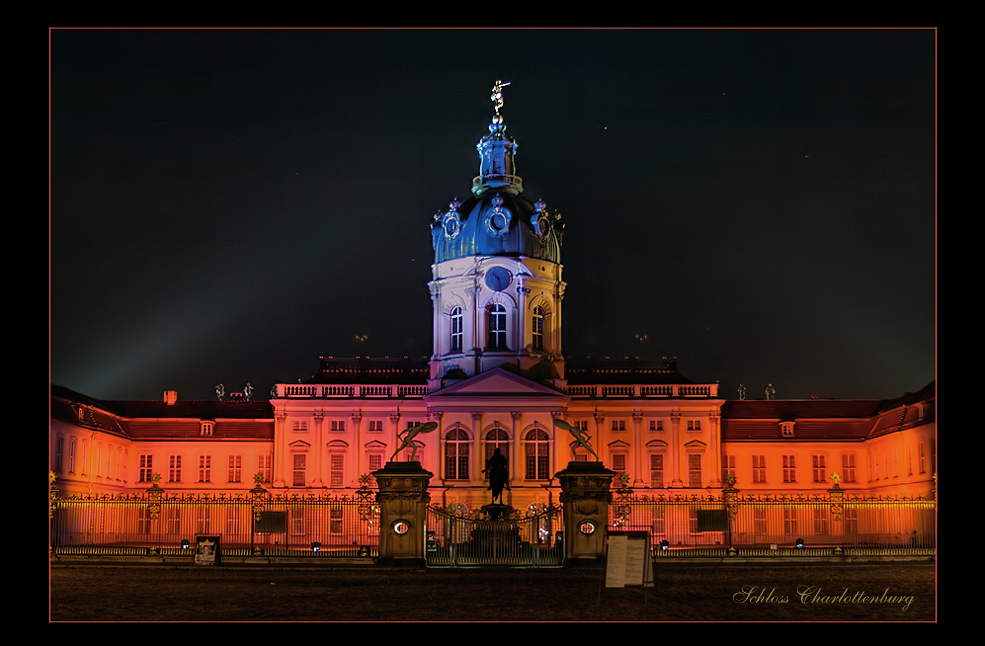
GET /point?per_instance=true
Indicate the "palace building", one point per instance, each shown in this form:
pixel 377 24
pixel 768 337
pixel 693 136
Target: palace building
pixel 497 379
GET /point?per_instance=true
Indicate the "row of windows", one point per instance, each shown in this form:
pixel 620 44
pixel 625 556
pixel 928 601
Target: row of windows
pixel 819 468
pixel 202 469
pixel 496 328
pixel 374 425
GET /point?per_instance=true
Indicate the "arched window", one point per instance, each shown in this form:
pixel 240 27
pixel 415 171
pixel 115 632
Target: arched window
pixel 456 329
pixel 497 438
pixel 457 455
pixel 537 455
pixel 537 327
pixel 497 327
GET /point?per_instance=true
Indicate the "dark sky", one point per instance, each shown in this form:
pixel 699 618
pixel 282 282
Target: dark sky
pixel 227 205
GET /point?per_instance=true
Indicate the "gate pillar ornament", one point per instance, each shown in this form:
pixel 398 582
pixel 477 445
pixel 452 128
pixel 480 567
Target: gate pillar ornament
pixel 403 498
pixel 585 496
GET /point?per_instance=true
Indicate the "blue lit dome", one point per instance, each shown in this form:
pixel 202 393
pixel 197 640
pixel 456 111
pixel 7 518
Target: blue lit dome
pixel 496 220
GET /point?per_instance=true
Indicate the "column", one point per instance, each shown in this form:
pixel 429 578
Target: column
pixel 318 447
pixel 280 449
pixel 675 450
pixel 637 448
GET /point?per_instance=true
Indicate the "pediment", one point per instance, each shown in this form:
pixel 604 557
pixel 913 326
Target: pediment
pixel 496 382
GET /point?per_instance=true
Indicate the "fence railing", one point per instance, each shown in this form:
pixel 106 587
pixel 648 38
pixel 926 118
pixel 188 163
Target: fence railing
pixel 532 539
pixel 265 524
pixel 682 525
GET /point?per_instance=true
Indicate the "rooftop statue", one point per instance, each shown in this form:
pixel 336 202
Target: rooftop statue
pixel 581 438
pixel 409 434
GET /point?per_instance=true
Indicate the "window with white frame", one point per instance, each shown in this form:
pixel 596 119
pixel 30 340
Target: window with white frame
pixel 300 426
pixel 338 425
pixel 143 520
pixel 496 438
pixel 497 327
pixel 72 443
pixel 537 454
pixel 335 520
pixel 789 468
pixel 619 466
pixel 456 455
pixel 300 467
pixel 59 450
pixel 375 426
pixel 146 468
pixel 207 426
pixel 336 473
pixel 174 468
pixel 759 520
pixel 694 425
pixel 657 516
pixel 820 520
pixel 694 470
pixel 205 468
pixel 759 468
pixel 456 329
pixel 848 467
pixel 656 425
pixel 375 462
pixel 619 425
pixel 232 522
pixel 297 521
pixel 204 519
pixel 789 520
pixel 235 468
pixel 818 470
pixel 730 466
pixel 537 326
pixel 265 467
pixel 172 520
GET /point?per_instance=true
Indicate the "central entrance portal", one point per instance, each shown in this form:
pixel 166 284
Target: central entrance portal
pixel 497 536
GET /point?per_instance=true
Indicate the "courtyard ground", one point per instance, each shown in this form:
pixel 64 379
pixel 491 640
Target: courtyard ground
pixel 759 592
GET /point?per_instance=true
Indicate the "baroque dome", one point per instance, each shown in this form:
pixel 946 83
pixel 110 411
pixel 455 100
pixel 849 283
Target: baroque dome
pixel 496 220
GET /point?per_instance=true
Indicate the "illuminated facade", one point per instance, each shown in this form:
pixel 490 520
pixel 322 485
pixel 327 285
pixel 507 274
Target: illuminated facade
pixel 497 378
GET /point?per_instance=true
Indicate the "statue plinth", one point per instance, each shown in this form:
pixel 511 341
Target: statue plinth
pixel 403 498
pixel 585 494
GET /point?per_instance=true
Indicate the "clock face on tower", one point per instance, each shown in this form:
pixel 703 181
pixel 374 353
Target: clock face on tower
pixel 498 278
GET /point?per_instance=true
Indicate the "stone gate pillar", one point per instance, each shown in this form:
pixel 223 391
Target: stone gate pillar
pixel 403 498
pixel 585 495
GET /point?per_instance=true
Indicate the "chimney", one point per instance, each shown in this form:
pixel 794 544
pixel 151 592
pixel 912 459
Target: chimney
pixel 170 397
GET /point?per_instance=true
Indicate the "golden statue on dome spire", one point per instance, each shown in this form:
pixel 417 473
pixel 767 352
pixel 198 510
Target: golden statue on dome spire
pixel 497 95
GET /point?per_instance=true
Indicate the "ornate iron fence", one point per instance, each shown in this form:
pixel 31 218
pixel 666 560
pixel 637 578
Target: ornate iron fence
pixel 532 538
pixel 802 525
pixel 155 522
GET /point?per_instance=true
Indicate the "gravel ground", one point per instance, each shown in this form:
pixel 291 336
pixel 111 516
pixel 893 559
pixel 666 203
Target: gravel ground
pixel 683 592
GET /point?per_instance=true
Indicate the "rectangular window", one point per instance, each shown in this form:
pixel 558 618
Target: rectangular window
pixel 174 468
pixel 818 471
pixel 300 426
pixel 297 521
pixel 759 521
pixel 375 461
pixel 335 520
pixel 337 472
pixel 338 425
pixel 820 521
pixel 146 468
pixel 618 465
pixel 300 475
pixel 59 448
pixel 232 522
pixel 659 522
pixel 172 520
pixel 204 524
pixel 694 470
pixel 456 330
pixel 921 459
pixel 143 520
pixel 205 468
pixel 235 468
pixel 265 467
pixel 759 468
pixel 730 466
pixel 848 467
pixel 789 520
pixel 497 327
pixel 618 425
pixel 71 455
pixel 789 468
pixel 656 425
pixel 376 426
pixel 694 425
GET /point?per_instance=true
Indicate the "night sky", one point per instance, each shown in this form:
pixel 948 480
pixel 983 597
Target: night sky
pixel 228 205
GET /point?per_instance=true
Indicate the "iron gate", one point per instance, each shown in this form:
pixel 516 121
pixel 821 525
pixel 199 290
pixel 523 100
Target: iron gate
pixel 533 539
